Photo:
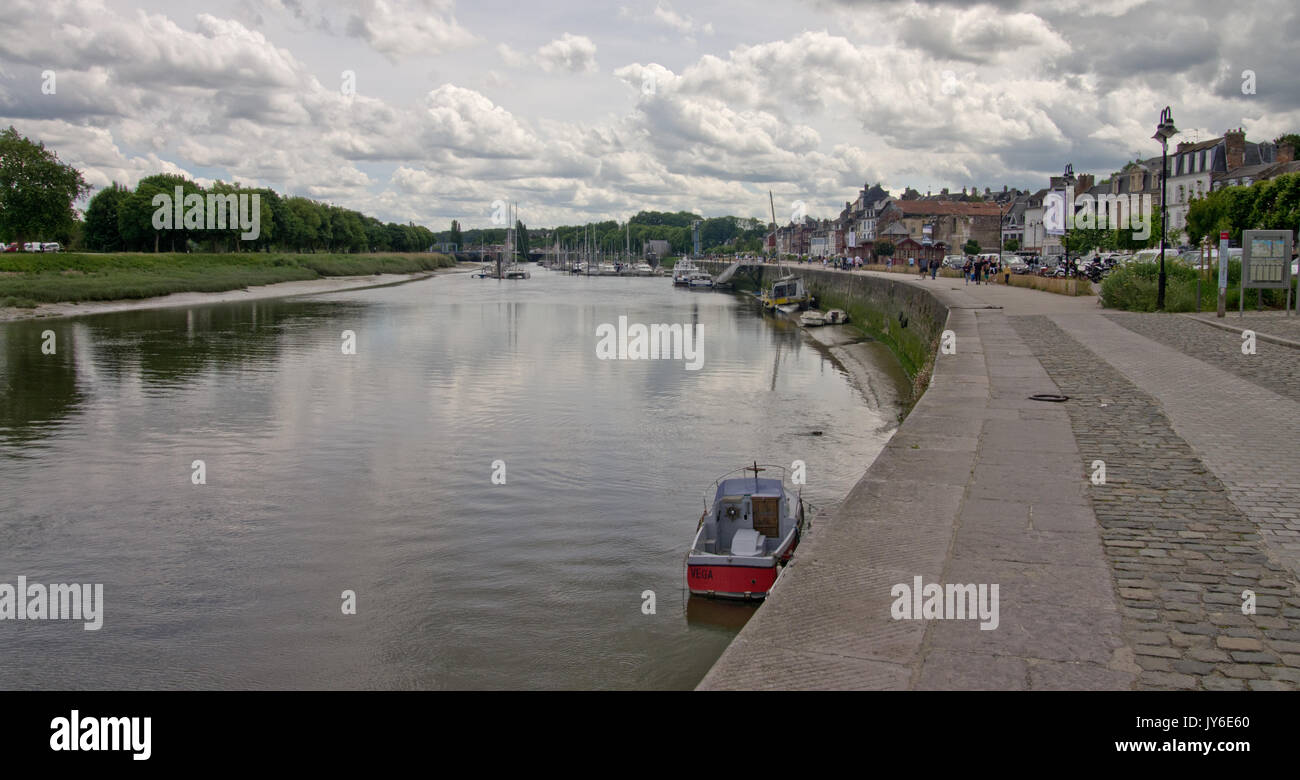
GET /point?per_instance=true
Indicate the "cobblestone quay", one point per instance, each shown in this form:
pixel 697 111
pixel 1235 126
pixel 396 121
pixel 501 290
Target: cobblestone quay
pixel 1173 566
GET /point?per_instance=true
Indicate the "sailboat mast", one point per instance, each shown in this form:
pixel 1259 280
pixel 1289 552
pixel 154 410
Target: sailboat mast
pixel 772 205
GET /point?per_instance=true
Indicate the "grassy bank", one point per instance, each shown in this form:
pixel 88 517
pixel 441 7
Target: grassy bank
pixel 1133 288
pixel 29 279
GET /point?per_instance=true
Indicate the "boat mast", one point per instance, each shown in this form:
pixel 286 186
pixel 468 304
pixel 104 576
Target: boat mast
pixel 772 205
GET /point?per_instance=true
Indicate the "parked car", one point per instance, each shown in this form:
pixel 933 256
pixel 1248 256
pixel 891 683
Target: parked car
pixel 10 247
pixel 1149 256
pixel 51 246
pixel 954 261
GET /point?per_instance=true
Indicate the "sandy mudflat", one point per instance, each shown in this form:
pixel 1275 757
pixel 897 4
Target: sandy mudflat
pixel 861 358
pixel 280 290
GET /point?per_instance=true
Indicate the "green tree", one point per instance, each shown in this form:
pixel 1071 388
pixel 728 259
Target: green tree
pixel 1277 203
pixel 455 237
pixel 136 214
pixel 971 247
pixel 521 238
pixel 1079 241
pixel 101 231
pixel 884 249
pixel 1011 245
pixel 1289 138
pixel 37 190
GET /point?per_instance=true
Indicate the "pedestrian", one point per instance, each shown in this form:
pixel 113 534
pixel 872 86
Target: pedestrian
pixel 922 267
pixel 966 270
pixel 934 269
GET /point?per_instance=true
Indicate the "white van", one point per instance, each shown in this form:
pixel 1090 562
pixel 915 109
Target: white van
pixel 51 246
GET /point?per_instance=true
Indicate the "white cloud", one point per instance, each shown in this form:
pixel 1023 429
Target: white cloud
pixel 665 14
pixel 404 28
pixel 574 53
pixel 927 95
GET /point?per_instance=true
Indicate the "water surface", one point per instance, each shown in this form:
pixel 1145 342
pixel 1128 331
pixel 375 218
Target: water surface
pixel 373 473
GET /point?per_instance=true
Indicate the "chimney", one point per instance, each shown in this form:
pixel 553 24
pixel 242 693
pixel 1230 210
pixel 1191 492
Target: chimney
pixel 1086 180
pixel 1285 153
pixel 1004 188
pixel 1234 144
pixel 1182 146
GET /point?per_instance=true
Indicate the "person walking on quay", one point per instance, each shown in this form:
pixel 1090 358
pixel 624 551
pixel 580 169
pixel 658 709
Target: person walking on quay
pixel 921 267
pixel 934 269
pixel 966 270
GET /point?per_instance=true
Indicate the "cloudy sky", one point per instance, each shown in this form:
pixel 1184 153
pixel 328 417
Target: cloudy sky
pixel 429 110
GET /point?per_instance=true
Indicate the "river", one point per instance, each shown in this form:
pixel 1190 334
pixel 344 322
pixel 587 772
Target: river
pixel 380 473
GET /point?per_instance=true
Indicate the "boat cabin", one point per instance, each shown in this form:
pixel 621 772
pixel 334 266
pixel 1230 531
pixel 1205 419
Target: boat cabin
pixel 745 518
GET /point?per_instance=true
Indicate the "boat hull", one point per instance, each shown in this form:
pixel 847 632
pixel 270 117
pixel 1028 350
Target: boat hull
pixel 729 581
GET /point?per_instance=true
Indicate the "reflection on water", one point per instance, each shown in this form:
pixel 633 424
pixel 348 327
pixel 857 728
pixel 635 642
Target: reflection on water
pixel 373 473
pixel 730 616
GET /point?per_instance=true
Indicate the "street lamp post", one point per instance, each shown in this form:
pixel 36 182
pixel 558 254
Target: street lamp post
pixel 1068 179
pixel 1164 131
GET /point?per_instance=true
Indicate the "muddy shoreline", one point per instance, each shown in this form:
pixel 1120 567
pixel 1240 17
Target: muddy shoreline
pixel 279 290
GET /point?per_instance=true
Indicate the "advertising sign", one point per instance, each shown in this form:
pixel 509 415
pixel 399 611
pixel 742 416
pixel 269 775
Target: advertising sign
pixel 1266 259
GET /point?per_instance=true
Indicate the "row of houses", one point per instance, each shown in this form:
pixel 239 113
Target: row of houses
pixel 920 226
pixel 931 225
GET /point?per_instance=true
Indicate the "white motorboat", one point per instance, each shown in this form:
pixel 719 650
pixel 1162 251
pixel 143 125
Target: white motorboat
pixel 747 533
pixel 700 279
pixel 683 270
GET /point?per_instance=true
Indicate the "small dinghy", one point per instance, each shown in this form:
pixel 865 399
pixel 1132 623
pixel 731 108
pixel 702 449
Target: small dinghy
pixel 748 532
pixel 812 318
pixel 837 317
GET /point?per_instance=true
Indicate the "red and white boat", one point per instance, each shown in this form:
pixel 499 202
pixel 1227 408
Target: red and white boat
pixel 746 535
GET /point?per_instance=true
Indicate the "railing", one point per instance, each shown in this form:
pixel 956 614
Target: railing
pixel 711 492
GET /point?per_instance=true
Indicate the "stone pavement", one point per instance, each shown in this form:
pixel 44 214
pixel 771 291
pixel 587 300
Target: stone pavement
pixel 1181 551
pixel 1133 583
pixel 1284 328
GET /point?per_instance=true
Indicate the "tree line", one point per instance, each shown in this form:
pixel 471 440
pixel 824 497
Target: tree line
pixel 38 190
pixel 717 234
pixel 119 219
pixel 1267 205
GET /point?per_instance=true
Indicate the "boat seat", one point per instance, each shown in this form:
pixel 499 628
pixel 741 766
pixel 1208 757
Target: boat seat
pixel 747 542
